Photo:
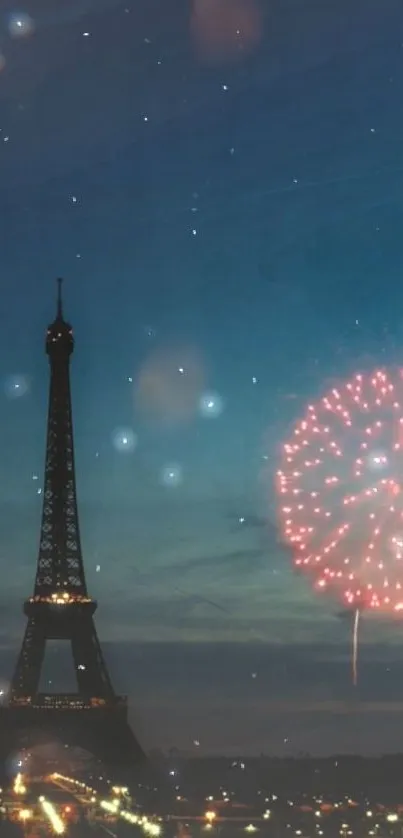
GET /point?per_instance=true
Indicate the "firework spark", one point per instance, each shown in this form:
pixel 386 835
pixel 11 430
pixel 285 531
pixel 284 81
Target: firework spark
pixel 341 494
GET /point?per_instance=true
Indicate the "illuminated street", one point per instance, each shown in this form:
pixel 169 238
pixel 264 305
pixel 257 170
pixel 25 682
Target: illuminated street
pixel 59 805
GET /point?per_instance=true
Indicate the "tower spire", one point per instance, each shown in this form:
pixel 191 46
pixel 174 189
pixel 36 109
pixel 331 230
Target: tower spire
pixel 59 299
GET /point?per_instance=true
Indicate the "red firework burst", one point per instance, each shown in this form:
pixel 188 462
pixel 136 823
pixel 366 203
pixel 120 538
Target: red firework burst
pixel 341 490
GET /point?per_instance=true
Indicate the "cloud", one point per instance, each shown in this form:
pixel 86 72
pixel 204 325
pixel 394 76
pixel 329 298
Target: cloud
pixel 334 707
pixel 206 614
pixel 233 560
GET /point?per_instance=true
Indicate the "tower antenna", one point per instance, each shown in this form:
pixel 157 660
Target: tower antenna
pixel 59 299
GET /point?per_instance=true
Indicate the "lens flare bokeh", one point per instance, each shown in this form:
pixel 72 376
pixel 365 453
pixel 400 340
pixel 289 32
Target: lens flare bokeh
pixel 225 31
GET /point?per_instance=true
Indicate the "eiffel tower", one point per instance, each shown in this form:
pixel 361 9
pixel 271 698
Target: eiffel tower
pixel 94 717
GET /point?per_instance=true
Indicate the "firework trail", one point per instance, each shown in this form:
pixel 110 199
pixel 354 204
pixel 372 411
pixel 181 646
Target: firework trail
pixel 355 647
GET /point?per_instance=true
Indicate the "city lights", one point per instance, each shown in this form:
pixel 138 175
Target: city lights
pixel 19 787
pixel 54 819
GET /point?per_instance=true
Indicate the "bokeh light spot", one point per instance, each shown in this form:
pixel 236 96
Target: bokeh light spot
pixel 16 386
pixel 226 30
pixel 172 475
pixel 20 25
pixel 124 440
pixel 211 405
pixel 169 385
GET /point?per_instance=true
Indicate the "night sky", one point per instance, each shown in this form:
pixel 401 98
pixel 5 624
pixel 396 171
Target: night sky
pixel 220 184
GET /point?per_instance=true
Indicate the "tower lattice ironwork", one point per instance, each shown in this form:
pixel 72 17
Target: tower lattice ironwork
pixel 60 607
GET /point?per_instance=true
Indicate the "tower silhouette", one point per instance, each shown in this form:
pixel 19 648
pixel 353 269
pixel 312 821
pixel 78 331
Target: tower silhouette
pixel 60 608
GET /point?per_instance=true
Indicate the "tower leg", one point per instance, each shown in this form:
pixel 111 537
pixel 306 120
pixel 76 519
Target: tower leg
pixel 29 665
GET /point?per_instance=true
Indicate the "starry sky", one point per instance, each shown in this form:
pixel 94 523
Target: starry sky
pixel 220 184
